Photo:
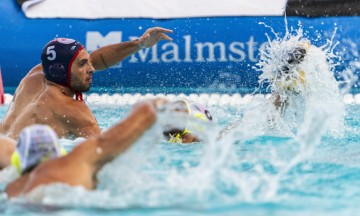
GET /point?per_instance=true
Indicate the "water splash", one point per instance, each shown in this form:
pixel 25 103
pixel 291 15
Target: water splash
pixel 157 174
pixel 302 84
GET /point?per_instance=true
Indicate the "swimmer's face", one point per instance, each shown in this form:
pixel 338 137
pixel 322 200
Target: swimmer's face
pixel 177 125
pixel 294 57
pixel 81 72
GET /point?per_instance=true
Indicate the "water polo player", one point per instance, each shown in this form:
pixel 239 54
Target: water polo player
pixel 290 78
pixel 46 94
pixel 186 129
pixel 41 160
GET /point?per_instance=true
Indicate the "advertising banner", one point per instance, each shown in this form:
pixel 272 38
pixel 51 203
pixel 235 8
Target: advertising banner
pixel 206 52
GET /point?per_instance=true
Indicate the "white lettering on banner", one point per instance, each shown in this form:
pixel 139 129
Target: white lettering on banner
pixel 251 44
pixel 187 48
pixel 235 51
pixel 211 49
pixel 95 40
pixel 237 48
pixel 173 53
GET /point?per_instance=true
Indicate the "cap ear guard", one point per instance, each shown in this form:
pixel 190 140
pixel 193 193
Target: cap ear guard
pixel 57 71
pixel 63 152
pixel 200 116
pixel 15 161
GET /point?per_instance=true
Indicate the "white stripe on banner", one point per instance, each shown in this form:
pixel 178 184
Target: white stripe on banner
pixel 94 9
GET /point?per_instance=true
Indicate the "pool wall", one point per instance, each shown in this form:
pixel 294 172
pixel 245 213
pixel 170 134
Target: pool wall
pixel 213 52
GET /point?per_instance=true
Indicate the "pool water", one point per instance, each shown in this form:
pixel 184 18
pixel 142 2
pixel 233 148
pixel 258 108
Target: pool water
pixel 231 176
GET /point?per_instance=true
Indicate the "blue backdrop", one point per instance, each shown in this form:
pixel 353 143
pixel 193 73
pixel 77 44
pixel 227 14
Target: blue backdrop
pixel 217 53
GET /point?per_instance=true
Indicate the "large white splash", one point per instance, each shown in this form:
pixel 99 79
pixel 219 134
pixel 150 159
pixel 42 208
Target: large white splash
pixel 304 85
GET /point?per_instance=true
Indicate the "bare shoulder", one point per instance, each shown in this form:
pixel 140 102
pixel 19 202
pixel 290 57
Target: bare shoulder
pixel 34 77
pixel 35 71
pixel 73 116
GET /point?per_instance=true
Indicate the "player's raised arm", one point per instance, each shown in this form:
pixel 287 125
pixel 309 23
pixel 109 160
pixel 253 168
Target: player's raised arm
pixel 110 55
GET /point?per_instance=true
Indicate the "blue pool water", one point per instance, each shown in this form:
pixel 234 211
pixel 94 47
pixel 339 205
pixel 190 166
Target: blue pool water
pixel 224 178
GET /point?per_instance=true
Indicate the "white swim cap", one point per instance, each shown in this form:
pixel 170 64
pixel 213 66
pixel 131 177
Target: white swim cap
pixel 36 143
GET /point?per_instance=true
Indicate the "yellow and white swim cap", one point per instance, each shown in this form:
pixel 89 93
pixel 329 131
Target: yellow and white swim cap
pixel 196 111
pixel 36 143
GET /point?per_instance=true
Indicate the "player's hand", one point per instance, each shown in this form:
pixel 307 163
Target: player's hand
pixel 159 103
pixel 153 35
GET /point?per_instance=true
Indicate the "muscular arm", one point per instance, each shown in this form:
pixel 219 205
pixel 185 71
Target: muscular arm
pixel 99 150
pixel 110 55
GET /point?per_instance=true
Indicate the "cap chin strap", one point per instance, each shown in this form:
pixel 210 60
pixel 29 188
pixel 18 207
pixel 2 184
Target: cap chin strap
pixel 79 96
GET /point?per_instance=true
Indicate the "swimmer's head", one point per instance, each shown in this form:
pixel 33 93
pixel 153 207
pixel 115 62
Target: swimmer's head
pixel 36 144
pixel 57 58
pixel 188 129
pixel 290 76
pixel 294 57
